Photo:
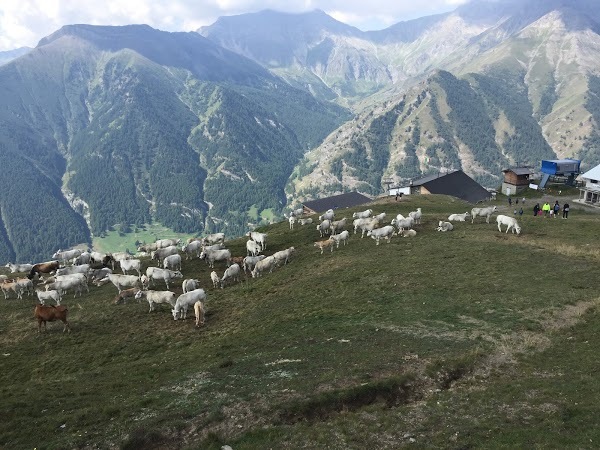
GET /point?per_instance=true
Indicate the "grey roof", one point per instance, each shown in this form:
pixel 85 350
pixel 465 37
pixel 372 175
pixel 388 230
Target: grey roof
pixel 457 184
pixel 427 179
pixel 519 170
pixel 593 173
pixel 346 200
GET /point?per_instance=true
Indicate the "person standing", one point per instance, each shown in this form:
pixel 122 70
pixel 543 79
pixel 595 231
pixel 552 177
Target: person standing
pixel 566 211
pixel 536 209
pixel 546 209
pixel 521 211
pixel 556 208
pixel 509 201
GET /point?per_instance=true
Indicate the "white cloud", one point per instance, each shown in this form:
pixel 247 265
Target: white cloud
pixel 25 22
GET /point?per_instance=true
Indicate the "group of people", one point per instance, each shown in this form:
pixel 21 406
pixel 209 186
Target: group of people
pixel 551 211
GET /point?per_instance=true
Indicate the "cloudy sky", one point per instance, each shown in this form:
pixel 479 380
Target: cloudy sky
pixel 25 22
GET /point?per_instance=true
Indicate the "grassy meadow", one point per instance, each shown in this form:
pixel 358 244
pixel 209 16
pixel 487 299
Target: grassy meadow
pixel 465 339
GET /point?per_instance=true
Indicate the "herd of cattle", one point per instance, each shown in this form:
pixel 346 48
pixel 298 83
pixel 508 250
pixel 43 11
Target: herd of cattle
pixel 72 270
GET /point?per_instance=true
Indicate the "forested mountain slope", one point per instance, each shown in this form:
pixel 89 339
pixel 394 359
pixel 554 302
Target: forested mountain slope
pixel 130 124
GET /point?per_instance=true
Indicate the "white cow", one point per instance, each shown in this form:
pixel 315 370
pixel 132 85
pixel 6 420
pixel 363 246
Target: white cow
pixel 199 313
pixel 250 261
pixel 416 215
pixel 189 285
pixel 48 295
pixel 160 254
pixel 155 297
pixel 252 248
pixel 166 275
pixel 324 227
pixel 407 233
pixel 216 255
pixel 483 212
pixel 365 225
pixel 382 233
pixel 362 214
pixel 128 265
pixel 292 221
pixel 184 301
pixel 510 222
pixel 19 268
pixel 214 277
pixel 444 226
pixel 338 225
pixel 328 215
pixel 458 217
pixel 123 281
pixel 307 221
pixel 261 238
pixel 263 265
pixel 403 223
pixel 191 248
pixel 66 255
pixel 172 262
pixel 231 273
pixel 216 238
pixel 284 255
pixel 343 237
pixel 380 217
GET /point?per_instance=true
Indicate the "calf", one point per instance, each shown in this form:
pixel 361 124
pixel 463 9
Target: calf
pixel 324 244
pixel 45 314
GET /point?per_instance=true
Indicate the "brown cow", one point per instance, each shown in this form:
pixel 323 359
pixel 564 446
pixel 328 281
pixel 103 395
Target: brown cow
pixel 51 313
pixel 125 294
pixel 45 267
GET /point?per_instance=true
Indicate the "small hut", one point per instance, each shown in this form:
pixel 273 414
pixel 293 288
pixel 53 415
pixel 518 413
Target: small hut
pixel 516 179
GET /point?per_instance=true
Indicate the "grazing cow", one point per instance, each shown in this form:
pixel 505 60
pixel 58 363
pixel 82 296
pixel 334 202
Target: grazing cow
pixel 125 294
pixel 45 267
pixel 284 255
pixel 510 222
pixel 83 268
pixel 483 212
pixel 8 286
pixel 164 243
pixel 156 297
pixel 147 248
pixel 231 273
pixel 184 301
pixel 19 268
pixel 324 244
pixel 262 266
pixel 45 314
pixel 200 313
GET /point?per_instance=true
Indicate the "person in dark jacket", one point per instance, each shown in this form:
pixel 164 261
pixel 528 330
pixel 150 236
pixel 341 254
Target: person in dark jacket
pixel 556 208
pixel 536 209
pixel 566 211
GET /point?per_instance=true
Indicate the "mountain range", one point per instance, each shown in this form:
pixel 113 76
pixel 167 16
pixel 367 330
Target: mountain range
pixel 216 130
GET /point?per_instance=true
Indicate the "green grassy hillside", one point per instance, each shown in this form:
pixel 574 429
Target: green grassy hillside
pixel 471 338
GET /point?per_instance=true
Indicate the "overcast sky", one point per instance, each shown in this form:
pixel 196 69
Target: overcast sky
pixel 25 22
